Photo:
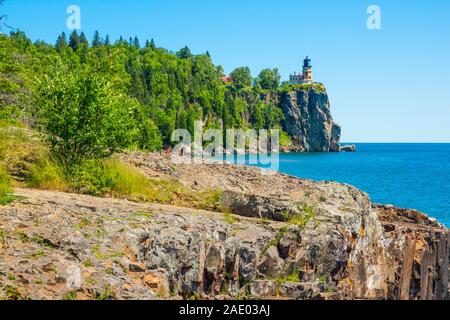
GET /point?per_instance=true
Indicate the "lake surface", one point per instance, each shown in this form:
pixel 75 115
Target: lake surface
pixel 415 176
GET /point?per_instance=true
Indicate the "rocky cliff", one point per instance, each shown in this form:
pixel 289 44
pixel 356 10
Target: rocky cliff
pixel 308 121
pixel 280 237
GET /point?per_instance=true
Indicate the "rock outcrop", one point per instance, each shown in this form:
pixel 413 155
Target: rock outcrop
pixel 348 148
pixel 308 121
pixel 281 237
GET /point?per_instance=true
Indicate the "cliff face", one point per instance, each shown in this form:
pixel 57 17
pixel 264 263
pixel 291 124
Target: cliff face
pixel 308 121
pixel 418 254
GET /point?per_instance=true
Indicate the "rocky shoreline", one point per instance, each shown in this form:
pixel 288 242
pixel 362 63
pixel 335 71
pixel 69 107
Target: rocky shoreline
pixel 277 237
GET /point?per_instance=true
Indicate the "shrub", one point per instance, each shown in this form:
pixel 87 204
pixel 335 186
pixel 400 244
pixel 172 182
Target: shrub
pixel 90 177
pixel 85 118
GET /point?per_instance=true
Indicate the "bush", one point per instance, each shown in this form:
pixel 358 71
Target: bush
pixel 90 177
pixel 84 117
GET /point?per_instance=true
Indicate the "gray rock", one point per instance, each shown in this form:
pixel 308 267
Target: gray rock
pixel 271 264
pixel 308 121
pixel 263 288
pixel 348 148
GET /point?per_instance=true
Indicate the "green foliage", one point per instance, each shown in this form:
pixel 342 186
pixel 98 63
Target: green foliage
pixel 269 79
pixel 84 118
pixel 294 276
pixel 71 295
pixel 301 218
pixel 242 77
pixel 75 86
pixel 149 138
pixel 5 188
pixel 47 175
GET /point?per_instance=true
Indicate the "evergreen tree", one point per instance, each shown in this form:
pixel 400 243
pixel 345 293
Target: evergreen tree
pixel 74 41
pixel 184 53
pixel 61 42
pixel 136 43
pixel 96 41
pixel 152 44
pixel 83 39
pixel 107 40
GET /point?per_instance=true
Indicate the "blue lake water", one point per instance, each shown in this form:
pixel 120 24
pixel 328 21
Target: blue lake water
pixel 413 176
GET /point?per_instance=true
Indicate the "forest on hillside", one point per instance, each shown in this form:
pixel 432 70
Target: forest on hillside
pixel 138 94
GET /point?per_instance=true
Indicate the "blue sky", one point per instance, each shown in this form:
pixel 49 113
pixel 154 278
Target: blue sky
pixel 388 85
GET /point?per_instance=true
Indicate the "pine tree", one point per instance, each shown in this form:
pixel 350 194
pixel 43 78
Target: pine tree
pixel 152 44
pixel 83 39
pixel 184 53
pixel 61 42
pixel 107 40
pixel 74 41
pixel 136 43
pixel 96 42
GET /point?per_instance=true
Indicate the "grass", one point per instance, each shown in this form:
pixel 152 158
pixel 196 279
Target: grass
pixel 20 150
pixel 5 188
pixel 12 293
pixel 71 295
pixel 25 160
pixel 130 183
pixel 301 218
pixel 293 277
pixel 275 242
pixel 229 218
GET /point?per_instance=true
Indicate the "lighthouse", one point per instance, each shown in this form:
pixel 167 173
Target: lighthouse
pixel 304 77
pixel 307 70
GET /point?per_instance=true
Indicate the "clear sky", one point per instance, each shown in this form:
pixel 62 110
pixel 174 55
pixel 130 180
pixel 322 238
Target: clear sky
pixel 388 85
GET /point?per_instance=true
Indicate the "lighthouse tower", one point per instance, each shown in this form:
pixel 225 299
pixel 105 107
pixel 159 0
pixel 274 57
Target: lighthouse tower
pixel 303 77
pixel 307 71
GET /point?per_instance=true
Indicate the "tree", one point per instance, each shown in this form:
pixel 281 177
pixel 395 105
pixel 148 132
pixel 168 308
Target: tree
pixel 136 43
pixel 273 116
pixel 84 118
pixel 150 138
pixel 61 42
pixel 258 116
pixel 241 77
pixel 184 53
pixel 74 41
pixel 269 79
pixel 96 41
pixel 107 40
pixel 83 39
